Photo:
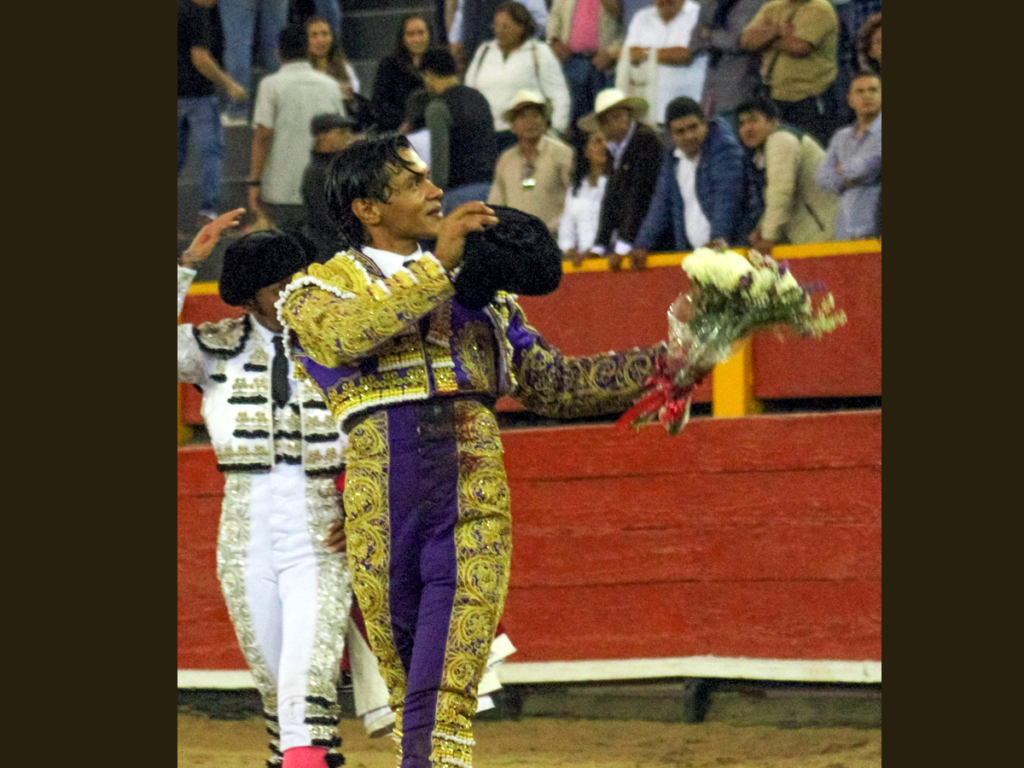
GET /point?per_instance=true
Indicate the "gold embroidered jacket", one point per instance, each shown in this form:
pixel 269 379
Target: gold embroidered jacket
pixel 230 363
pixel 367 341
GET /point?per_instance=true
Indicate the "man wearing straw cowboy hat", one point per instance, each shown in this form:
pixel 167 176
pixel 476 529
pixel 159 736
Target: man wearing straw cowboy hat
pixel 534 174
pixel 634 159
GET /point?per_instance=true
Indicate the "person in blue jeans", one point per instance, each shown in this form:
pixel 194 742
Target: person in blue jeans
pixel 238 18
pixel 198 77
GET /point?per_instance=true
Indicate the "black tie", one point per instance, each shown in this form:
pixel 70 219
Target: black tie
pixel 279 374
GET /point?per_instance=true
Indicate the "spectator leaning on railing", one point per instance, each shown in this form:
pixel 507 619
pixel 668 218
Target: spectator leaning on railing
pixel 796 209
pixel 852 167
pixel 700 194
pixel 798 40
pixel 634 156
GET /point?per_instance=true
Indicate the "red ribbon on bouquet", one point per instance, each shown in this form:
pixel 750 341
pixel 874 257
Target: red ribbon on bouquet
pixel 662 392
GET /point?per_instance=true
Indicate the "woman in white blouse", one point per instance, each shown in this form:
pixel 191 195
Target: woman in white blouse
pixel 516 61
pixel 581 215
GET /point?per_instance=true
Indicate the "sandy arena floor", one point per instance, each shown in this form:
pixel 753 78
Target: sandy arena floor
pixel 558 743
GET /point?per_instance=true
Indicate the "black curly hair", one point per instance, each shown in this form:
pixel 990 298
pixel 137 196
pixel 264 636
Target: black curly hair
pixel 363 170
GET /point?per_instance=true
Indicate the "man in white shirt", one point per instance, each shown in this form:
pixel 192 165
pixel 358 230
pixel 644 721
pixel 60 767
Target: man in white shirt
pixel 656 63
pixel 286 103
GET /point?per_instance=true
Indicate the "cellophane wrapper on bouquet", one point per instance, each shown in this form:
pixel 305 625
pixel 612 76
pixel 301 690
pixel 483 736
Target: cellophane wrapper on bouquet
pixel 731 297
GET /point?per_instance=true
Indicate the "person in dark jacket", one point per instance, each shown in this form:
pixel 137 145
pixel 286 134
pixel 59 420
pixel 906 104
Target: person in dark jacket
pixel 331 134
pixel 398 73
pixel 634 156
pixel 463 149
pixel 701 190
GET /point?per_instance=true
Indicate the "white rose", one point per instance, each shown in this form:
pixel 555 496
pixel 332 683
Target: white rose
pixel 722 270
pixel 788 281
pixel 764 279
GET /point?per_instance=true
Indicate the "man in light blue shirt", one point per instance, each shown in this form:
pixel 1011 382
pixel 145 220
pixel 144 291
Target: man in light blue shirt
pixel 852 167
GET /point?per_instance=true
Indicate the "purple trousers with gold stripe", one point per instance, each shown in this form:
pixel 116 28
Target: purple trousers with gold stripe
pixel 429 544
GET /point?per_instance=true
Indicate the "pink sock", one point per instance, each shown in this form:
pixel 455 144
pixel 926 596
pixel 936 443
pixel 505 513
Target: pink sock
pixel 305 757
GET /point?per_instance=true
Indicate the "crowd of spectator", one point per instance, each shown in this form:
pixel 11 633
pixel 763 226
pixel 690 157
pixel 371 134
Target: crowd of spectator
pixel 627 126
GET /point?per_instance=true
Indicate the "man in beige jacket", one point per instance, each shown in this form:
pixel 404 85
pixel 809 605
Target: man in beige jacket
pixel 796 209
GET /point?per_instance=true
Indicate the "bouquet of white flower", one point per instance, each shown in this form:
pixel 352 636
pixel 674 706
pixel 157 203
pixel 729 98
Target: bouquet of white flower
pixel 731 298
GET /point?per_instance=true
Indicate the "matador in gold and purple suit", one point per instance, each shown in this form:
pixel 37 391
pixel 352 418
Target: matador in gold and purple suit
pixel 412 377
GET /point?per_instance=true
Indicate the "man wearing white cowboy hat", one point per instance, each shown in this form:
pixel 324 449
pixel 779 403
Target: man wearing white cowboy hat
pixel 634 159
pixel 535 173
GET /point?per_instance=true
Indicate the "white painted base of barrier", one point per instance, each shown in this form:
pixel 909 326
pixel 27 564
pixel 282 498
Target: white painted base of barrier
pixel 796 670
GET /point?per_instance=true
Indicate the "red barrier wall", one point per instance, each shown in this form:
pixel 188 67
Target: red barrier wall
pixel 756 537
pixel 846 362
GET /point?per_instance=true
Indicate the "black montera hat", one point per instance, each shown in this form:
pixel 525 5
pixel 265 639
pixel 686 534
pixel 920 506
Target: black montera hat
pixel 517 255
pixel 260 259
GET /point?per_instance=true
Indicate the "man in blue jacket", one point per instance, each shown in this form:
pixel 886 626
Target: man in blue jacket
pixel 702 190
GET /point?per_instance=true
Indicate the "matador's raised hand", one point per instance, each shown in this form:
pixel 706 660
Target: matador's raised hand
pixel 208 237
pixel 473 216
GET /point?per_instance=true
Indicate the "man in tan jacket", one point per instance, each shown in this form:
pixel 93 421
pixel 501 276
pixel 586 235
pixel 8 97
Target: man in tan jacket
pixel 796 209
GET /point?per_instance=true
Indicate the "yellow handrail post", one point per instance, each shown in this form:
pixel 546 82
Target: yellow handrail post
pixel 732 385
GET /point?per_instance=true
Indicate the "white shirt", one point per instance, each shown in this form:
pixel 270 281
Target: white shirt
pixel 532 66
pixel 581 216
pixel 286 102
pixel 389 262
pixel 647 30
pixel 267 336
pixel 618 148
pixel 698 228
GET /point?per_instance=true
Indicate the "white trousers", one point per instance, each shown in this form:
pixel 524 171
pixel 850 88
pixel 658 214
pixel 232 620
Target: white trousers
pixel 289 600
